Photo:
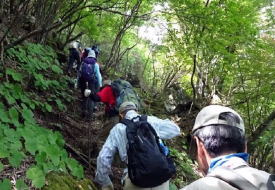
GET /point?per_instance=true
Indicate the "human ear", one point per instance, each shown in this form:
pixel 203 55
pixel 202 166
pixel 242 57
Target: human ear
pixel 202 156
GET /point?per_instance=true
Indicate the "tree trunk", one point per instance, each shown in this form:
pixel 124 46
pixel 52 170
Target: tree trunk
pixel 273 159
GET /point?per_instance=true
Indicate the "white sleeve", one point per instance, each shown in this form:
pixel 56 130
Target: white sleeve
pixel 104 161
pixel 166 128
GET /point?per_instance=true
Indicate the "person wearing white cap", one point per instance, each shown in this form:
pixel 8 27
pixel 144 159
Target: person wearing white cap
pixel 74 56
pixel 89 77
pixel 219 146
pixel 117 142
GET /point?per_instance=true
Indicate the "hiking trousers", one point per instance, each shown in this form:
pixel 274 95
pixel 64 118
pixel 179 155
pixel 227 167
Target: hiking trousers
pixel 130 186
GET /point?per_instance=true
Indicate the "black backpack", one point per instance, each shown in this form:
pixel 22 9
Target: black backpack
pixel 147 164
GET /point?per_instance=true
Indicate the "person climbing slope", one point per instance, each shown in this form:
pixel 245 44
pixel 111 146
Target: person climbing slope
pixel 90 78
pixel 113 94
pixel 158 167
pixel 74 56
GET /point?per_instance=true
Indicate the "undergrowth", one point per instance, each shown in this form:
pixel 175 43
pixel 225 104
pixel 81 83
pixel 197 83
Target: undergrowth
pixel 32 80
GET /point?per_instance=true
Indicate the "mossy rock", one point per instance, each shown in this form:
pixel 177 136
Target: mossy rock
pixel 63 181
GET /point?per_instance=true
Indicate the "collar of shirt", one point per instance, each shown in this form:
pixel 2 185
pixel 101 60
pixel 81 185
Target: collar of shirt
pixel 219 161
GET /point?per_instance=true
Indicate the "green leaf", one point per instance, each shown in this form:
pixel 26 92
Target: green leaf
pixel 14 116
pixel 31 145
pixel 15 145
pixel 4 153
pixel 56 69
pixel 1 166
pixel 4 116
pixel 10 133
pixel 5 184
pixel 53 153
pixel 48 107
pixel 20 185
pixel 16 158
pixel 60 105
pixel 10 99
pixel 28 115
pixel 41 158
pixel 172 186
pixel 75 168
pixel 15 75
pixel 37 176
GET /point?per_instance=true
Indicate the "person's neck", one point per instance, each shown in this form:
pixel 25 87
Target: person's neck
pixel 218 156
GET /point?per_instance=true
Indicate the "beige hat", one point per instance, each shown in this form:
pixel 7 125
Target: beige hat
pixel 125 106
pixel 210 115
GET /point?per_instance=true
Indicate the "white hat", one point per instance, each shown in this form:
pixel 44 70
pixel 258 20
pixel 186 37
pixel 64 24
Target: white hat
pixel 91 53
pixel 125 106
pixel 210 115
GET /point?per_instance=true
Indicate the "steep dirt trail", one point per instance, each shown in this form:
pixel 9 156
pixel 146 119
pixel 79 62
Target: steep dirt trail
pixel 82 136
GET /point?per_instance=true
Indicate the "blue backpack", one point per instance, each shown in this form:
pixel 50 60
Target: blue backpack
pixel 88 71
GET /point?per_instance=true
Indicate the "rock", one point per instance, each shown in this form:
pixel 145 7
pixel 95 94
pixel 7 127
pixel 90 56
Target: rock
pixel 62 181
pixel 177 101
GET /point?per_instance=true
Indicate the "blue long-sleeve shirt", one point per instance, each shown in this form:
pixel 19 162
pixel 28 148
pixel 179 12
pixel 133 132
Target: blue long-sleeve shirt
pixel 117 141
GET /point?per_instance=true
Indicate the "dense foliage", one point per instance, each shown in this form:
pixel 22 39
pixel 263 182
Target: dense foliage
pixel 32 82
pixel 216 51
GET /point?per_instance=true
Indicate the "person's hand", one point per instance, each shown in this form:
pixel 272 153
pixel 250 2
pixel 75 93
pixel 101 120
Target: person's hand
pixel 95 97
pixel 108 187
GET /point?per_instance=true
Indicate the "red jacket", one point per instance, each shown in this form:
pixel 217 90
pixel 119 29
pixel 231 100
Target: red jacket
pixel 107 96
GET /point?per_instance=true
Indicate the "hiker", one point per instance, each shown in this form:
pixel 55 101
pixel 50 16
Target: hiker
pixel 74 57
pixel 119 141
pixel 219 146
pixel 113 94
pixel 90 76
pixel 96 49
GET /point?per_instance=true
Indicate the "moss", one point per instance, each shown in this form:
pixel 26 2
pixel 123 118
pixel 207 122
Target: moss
pixel 63 181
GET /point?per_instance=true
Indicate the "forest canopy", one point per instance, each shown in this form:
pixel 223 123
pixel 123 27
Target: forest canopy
pixel 214 51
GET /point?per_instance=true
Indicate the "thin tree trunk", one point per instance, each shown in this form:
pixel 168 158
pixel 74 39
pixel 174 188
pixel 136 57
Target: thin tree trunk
pixel 273 159
pixel 258 132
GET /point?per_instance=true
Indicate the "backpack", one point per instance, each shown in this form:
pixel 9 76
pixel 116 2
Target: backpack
pixel 148 166
pixel 88 72
pixel 236 180
pixel 124 92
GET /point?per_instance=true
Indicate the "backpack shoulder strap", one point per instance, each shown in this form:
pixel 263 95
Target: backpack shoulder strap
pixel 131 130
pixel 127 122
pixel 232 178
pixel 271 182
pixel 144 118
